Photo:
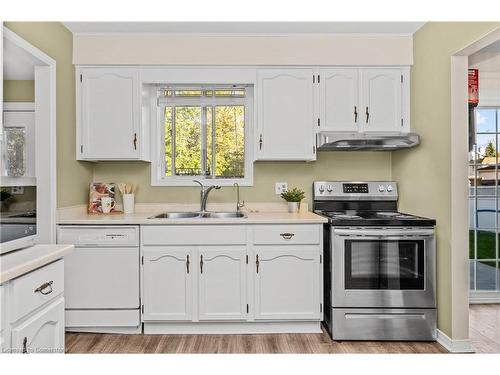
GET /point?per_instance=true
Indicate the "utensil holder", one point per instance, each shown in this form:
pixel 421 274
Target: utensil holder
pixel 128 203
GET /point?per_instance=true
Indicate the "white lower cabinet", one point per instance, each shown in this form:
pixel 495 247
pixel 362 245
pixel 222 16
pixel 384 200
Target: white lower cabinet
pixel 265 278
pixel 222 284
pixel 287 282
pixel 168 285
pixel 43 332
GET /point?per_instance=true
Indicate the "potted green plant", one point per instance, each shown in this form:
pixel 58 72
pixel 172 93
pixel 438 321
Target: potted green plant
pixel 293 197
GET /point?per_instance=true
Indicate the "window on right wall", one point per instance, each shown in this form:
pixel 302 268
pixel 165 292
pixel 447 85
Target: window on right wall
pixel 484 203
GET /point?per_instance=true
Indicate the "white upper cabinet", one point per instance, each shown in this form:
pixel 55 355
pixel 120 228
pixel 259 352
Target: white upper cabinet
pixel 339 108
pixel 108 115
pixel 364 100
pixel 286 114
pixel 222 283
pixel 381 100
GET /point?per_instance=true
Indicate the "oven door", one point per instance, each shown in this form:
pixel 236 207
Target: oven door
pixel 383 267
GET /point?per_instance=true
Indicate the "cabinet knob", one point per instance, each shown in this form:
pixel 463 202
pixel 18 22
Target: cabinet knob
pixel 257 263
pixel 201 263
pixel 135 141
pixel 25 345
pixel 355 114
pixel 187 263
pixel 260 142
pixel 367 115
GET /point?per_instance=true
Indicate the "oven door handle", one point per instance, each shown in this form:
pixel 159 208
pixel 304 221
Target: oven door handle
pixel 384 233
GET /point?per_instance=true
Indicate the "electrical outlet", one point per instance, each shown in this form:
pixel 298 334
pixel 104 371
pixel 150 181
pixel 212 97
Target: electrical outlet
pixel 17 189
pixel 280 187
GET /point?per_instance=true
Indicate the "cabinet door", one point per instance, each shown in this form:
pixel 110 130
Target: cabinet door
pixel 285 114
pixel 339 100
pixel 287 282
pixel 381 100
pixel 41 333
pixel 109 114
pixel 167 287
pixel 222 284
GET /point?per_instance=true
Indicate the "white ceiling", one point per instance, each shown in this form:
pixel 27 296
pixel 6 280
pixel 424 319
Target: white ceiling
pixel 18 64
pixel 266 28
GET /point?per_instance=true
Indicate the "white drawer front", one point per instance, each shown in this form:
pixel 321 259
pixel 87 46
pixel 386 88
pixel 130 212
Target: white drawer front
pixel 193 235
pixel 35 289
pixel 98 235
pixel 102 278
pixel 282 234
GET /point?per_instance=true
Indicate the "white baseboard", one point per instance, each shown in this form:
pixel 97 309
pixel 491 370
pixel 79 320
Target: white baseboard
pixel 454 346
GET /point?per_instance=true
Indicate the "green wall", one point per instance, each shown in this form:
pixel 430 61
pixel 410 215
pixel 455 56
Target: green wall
pixel 424 174
pixel 56 41
pixel 19 91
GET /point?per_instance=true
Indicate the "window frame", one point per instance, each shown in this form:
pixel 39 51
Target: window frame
pixel 157 116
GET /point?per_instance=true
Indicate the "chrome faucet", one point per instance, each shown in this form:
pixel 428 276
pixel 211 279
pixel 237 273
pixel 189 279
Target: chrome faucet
pixel 204 195
pixel 238 204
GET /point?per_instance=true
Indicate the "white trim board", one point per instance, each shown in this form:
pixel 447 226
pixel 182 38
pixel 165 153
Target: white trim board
pixel 45 148
pixel 454 346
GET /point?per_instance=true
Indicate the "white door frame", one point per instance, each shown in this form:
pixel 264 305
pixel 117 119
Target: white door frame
pixel 45 120
pixel 459 188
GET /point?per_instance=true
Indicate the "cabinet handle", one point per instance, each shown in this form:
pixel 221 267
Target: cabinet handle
pixel 187 263
pixel 260 142
pixel 287 236
pixel 201 263
pixel 44 286
pixel 135 141
pixel 355 114
pixel 367 115
pixel 25 345
pixel 257 263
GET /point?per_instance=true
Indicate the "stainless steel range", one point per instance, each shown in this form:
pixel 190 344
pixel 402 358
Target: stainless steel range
pixel 380 264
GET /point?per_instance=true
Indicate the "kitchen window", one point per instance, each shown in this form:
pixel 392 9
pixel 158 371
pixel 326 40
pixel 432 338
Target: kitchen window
pixel 204 134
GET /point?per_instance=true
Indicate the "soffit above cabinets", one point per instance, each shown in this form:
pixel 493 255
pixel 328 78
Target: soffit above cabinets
pixel 244 28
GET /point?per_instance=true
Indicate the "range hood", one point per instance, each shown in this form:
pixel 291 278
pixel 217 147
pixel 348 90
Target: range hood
pixel 336 141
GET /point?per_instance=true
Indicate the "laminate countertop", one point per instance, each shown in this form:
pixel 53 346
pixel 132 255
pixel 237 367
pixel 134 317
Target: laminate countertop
pixel 74 216
pixel 19 262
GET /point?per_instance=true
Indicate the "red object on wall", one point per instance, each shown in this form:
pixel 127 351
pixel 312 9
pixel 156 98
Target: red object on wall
pixel 473 86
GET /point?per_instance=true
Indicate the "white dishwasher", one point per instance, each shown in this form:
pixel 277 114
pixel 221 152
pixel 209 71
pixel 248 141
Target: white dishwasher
pixel 102 278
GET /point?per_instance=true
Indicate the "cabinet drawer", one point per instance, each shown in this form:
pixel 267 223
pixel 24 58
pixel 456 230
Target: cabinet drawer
pixel 98 235
pixel 193 235
pixel 36 288
pixel 286 234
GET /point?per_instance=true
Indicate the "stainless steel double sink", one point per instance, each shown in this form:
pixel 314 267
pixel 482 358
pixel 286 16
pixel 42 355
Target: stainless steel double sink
pixel 199 215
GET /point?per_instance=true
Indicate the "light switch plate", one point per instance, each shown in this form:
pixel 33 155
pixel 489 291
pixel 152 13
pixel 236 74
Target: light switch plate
pixel 280 187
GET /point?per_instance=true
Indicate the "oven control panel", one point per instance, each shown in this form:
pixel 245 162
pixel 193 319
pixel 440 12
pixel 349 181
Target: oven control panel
pixel 349 190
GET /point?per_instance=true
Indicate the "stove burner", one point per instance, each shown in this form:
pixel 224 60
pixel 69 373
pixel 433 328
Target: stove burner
pixel 346 216
pixel 395 215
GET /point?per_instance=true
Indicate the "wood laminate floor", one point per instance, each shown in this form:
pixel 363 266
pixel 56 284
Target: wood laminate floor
pixel 270 343
pixel 484 330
